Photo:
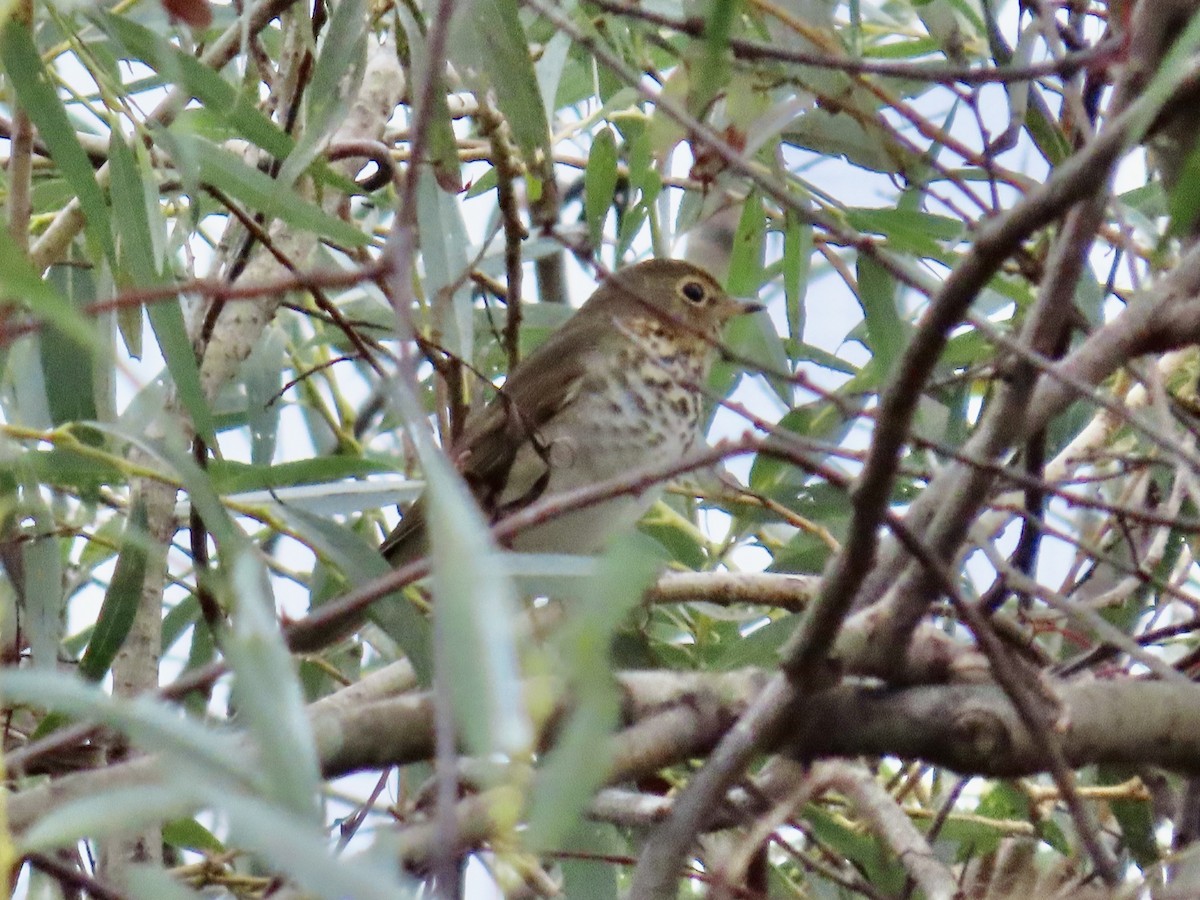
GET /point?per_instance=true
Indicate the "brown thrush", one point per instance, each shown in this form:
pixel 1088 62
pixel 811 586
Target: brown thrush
pixel 616 388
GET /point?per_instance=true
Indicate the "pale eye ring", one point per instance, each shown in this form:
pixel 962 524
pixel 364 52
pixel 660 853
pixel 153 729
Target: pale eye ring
pixel 693 292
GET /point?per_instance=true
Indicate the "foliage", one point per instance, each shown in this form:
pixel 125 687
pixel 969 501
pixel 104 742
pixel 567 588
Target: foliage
pixel 258 267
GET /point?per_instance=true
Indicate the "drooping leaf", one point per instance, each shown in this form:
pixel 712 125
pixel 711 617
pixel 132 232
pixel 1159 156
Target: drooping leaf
pixel 336 76
pixel 69 375
pixel 267 692
pixel 237 107
pixel 261 192
pixel 37 95
pixel 121 600
pixel 475 636
pixel 600 182
pixel 577 765
pixel 489 39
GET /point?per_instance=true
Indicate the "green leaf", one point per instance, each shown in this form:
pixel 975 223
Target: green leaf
pixel 151 724
pixel 300 851
pixel 237 107
pixel 42 592
pixel 753 338
pixel 797 261
pixel 444 251
pixel 600 182
pixel 263 193
pixel 267 692
pixel 69 375
pixel 887 332
pixel 1135 818
pixel 1171 71
pixel 36 93
pixel 71 469
pixel 578 764
pixel 481 185
pixel 881 869
pixel 476 609
pixel 588 875
pixel 360 562
pixel 170 331
pixel 709 70
pixel 441 142
pixel 137 263
pixel 105 813
pixel 833 134
pixel 749 248
pixel 232 477
pixel 550 65
pixel 121 600
pixel 195 481
pixel 19 281
pixel 489 39
pixel 758 648
pixel 262 374
pixel 336 77
pixel 910 230
pixel 1183 202
pixel 182 616
pixel 1001 801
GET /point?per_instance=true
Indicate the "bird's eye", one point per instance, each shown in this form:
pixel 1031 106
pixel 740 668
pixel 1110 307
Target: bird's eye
pixel 693 292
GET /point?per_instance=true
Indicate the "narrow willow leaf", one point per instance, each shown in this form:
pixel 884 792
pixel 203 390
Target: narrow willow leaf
pixel 262 374
pixel 442 144
pixel 151 724
pixel 232 477
pixel 444 252
pixel 797 259
pixel 886 330
pixel 336 77
pixel 549 67
pixel 491 40
pixel 299 850
pixel 121 600
pixel 600 182
pixel 578 763
pixel 195 481
pixel 107 812
pixel 36 93
pixel 267 692
pixel 135 263
pixel 170 330
pixel 237 107
pixel 581 877
pixel 261 192
pixel 42 593
pixel 710 67
pixel 178 619
pixel 1134 817
pixel 19 281
pixel 188 834
pixel 360 562
pixel 747 258
pixel 69 375
pixel 477 610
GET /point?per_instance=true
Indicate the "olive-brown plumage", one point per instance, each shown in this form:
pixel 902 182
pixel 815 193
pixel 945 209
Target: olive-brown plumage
pixel 616 388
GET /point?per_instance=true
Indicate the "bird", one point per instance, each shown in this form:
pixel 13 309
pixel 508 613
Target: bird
pixel 617 387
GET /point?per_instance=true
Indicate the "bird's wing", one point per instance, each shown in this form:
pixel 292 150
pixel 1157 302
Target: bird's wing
pixel 537 390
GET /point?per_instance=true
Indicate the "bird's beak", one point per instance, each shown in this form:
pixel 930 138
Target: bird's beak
pixel 735 307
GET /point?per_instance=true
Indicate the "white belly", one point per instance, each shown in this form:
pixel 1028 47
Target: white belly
pixel 597 451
